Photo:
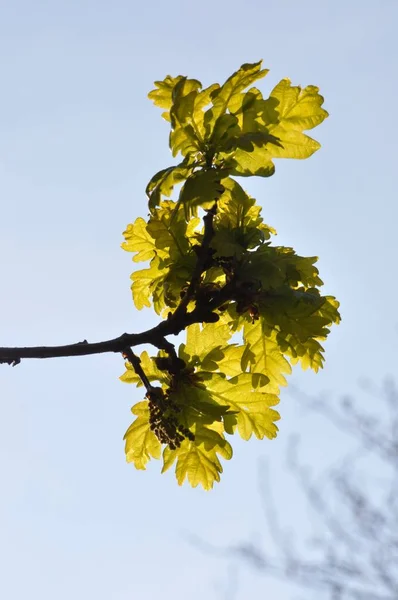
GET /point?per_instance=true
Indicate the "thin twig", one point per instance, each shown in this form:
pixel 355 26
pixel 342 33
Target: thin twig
pixel 136 364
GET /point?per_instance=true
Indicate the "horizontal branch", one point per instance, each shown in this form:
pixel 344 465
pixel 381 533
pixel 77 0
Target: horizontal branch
pixel 155 336
pixel 173 325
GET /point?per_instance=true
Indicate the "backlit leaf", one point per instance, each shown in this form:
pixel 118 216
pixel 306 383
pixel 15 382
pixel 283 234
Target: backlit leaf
pixel 162 184
pixel 147 282
pixel 162 96
pixel 241 79
pixel 201 340
pixel 253 412
pixel 201 189
pixel 139 240
pixel 198 461
pixel 185 136
pixel 265 356
pixel 298 110
pixel 141 443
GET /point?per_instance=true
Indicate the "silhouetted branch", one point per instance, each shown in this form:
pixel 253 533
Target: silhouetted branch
pixel 357 546
pixel 156 336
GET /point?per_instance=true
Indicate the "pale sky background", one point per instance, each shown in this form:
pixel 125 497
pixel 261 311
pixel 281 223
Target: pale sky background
pixel 78 142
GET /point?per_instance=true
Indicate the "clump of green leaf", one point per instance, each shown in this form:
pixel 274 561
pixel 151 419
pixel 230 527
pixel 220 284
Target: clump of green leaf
pixel 222 277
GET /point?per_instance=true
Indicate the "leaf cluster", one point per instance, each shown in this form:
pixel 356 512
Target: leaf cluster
pixel 252 309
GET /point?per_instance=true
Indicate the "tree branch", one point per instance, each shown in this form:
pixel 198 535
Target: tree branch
pixel 171 326
pixel 156 336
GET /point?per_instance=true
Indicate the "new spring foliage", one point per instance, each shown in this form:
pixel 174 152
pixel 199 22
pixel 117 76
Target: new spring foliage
pixel 270 314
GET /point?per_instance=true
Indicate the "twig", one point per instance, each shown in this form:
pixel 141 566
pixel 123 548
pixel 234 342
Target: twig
pixel 136 363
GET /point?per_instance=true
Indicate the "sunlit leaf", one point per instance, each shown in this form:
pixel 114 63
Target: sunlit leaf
pixel 298 110
pixel 168 229
pixel 265 356
pixel 162 96
pixel 201 189
pixel 202 339
pixel 198 461
pixel 185 136
pixel 146 282
pixel 139 240
pixel 241 79
pixel 162 184
pixel 141 443
pixel 253 407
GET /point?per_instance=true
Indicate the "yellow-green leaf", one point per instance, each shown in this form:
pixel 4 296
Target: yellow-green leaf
pixel 265 357
pixel 198 461
pixel 139 240
pixel 146 282
pixel 253 412
pixel 141 442
pixel 203 339
pixel 202 101
pixel 298 110
pixel 237 224
pixel 246 163
pixel 162 96
pixel 168 228
pixel 184 136
pixel 238 81
pixel 201 189
pixel 162 184
pixel 231 362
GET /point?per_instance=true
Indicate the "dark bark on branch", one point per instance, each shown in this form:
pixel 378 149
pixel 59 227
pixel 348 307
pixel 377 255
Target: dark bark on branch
pixel 156 336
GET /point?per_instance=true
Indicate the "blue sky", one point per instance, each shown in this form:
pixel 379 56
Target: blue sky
pixel 79 141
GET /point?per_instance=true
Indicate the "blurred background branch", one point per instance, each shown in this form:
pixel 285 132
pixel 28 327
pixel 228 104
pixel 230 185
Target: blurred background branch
pixel 350 551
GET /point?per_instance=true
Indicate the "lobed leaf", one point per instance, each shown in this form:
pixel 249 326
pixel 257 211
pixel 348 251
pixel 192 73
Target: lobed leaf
pixel 238 81
pixel 264 356
pixel 238 224
pixel 202 341
pixel 139 240
pixel 162 184
pixel 141 443
pixel 148 283
pixel 162 96
pixel 252 407
pixel 202 188
pixel 184 137
pixel 198 461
